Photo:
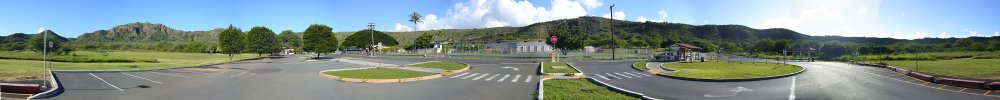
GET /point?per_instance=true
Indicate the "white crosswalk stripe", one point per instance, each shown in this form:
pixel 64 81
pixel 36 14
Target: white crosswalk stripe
pixel 481 76
pixel 504 77
pixel 613 76
pixel 637 76
pixel 620 74
pixel 643 74
pixel 515 78
pixel 491 77
pixel 458 75
pixel 528 79
pixel 599 75
pixel 473 74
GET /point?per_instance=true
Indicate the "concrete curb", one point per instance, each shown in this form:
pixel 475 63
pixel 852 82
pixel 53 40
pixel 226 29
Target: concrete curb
pixel 541 67
pixel 734 80
pixel 647 71
pixel 958 82
pixel 57 86
pixel 541 89
pixel 627 92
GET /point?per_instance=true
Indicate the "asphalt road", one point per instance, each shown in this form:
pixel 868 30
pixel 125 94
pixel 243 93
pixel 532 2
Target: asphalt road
pixel 292 79
pixel 820 81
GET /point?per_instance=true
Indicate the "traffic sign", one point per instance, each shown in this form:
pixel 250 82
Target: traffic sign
pixel 553 39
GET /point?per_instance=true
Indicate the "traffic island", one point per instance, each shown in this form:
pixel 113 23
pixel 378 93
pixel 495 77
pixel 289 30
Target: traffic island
pixel 580 89
pixel 449 67
pixel 729 72
pixel 377 75
pixel 559 70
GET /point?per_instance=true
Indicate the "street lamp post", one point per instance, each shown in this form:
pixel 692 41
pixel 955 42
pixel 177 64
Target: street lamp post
pixel 613 41
pixel 371 26
pixel 45 50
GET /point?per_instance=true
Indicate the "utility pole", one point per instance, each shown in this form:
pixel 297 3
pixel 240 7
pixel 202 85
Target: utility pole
pixel 371 26
pixel 613 40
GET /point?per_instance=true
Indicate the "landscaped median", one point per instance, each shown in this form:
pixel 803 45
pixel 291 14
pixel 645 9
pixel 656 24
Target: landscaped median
pixel 730 71
pixel 559 69
pixel 580 89
pixel 416 72
pixel 641 65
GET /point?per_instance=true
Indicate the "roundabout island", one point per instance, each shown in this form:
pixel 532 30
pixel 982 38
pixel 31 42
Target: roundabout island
pixel 413 72
pixel 729 71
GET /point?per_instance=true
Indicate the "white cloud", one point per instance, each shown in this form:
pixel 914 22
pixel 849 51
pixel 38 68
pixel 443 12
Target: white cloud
pixel 972 33
pixel 498 13
pixel 943 35
pixel 644 19
pixel 401 28
pixel 40 30
pixel 618 15
pixel 997 33
pixel 663 14
pixel 863 10
pixel 841 18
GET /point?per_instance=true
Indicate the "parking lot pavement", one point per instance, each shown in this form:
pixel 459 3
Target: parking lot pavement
pixel 295 79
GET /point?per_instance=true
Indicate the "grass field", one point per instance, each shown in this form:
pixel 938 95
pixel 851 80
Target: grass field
pixel 580 89
pixel 568 69
pixel 729 70
pixel 378 73
pixel 441 65
pixel 640 65
pixel 962 68
pixel 14 70
pixel 77 57
pixel 926 56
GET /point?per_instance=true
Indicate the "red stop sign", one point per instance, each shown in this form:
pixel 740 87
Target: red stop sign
pixel 553 39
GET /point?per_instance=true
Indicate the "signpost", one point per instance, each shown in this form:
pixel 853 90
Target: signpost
pixel 554 39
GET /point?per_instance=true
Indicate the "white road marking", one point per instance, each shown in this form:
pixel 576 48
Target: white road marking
pixel 241 73
pixel 508 67
pixel 480 76
pixel 528 79
pixel 106 82
pixel 515 78
pixel 473 74
pixel 641 73
pixel 599 75
pixel 169 74
pixel 791 96
pixel 141 78
pixel 609 74
pixel 637 76
pixel 622 75
pixel 504 77
pixel 458 75
pixel 491 77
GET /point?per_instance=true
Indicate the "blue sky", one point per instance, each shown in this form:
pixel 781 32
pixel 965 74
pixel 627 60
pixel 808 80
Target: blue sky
pixel 904 19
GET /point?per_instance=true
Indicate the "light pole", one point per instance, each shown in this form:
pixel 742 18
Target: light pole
pixel 613 41
pixel 45 50
pixel 371 26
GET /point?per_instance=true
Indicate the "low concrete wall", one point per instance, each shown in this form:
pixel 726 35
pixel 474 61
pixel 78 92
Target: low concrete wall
pixel 923 77
pixel 20 88
pixel 963 83
pixel 994 85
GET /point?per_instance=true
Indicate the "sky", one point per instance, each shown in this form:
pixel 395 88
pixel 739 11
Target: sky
pixel 903 19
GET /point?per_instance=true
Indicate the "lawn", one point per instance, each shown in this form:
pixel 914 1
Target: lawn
pixel 31 69
pixel 641 65
pixel 962 68
pixel 568 69
pixel 378 73
pixel 580 89
pixel 441 65
pixel 729 70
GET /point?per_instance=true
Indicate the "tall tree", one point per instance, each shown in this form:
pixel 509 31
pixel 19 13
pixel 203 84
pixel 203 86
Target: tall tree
pixel 423 41
pixel 415 18
pixel 231 41
pixel 362 39
pixel 319 38
pixel 290 39
pixel 261 40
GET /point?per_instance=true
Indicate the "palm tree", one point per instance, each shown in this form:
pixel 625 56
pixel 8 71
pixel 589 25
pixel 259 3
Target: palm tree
pixel 415 18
